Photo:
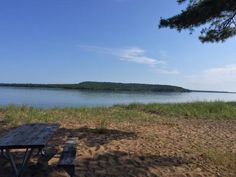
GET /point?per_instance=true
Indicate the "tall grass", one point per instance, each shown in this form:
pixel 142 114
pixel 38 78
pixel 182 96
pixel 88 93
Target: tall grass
pixel 100 116
pixel 120 113
pixel 200 110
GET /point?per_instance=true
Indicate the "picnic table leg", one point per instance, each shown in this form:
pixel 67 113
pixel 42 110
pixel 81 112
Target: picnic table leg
pixel 12 160
pixel 27 156
pixel 4 154
pixel 19 172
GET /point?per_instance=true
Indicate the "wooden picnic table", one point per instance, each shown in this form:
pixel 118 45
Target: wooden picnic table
pixel 29 137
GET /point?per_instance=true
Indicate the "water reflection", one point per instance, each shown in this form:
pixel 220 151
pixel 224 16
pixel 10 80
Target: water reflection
pixel 74 98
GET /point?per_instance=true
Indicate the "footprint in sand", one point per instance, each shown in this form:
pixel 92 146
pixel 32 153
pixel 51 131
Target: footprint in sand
pixel 117 148
pixel 86 154
pixel 90 152
pixel 94 150
pixel 97 148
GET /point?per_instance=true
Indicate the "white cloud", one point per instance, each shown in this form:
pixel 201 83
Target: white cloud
pixel 135 55
pixel 219 78
pixel 138 55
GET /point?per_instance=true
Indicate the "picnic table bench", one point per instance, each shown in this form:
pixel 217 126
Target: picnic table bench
pixel 28 137
pixel 68 156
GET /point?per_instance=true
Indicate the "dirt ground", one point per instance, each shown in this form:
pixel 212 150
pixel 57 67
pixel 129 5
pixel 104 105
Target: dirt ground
pixel 169 148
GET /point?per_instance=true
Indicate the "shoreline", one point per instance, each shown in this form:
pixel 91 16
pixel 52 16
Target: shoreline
pixel 55 86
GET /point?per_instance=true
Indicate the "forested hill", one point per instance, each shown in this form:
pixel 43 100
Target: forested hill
pixel 106 86
pixel 111 86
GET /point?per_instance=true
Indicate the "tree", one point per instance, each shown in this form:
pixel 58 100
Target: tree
pixel 217 16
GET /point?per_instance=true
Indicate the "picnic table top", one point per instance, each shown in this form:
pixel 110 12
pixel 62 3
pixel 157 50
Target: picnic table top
pixel 28 136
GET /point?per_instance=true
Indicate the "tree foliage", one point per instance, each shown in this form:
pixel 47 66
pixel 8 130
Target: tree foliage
pixel 105 86
pixel 217 16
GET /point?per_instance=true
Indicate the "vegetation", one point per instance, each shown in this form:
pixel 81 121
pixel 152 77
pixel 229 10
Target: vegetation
pixel 106 86
pixel 120 113
pixel 109 86
pixel 197 138
pixel 198 110
pixel 219 15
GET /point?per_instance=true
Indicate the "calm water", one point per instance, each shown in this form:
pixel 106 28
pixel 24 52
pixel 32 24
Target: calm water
pixel 71 98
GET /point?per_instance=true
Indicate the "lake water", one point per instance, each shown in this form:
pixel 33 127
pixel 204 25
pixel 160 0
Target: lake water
pixel 47 98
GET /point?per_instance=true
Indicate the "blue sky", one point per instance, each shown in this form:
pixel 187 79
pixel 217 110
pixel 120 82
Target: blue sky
pixel 70 41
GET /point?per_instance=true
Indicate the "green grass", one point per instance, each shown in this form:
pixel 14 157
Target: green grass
pixel 199 110
pixel 100 116
pixel 120 113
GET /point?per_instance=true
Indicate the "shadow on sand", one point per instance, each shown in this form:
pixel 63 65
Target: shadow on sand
pixel 101 164
pixel 122 164
pixel 93 137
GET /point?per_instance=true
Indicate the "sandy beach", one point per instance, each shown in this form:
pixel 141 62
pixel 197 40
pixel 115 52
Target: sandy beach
pixel 183 148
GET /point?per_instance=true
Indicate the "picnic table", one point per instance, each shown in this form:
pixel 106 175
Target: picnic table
pixel 28 137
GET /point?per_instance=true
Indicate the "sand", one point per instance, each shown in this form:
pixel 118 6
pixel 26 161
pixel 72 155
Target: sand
pixel 168 148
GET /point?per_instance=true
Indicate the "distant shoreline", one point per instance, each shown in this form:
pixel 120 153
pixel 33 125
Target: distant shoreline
pixel 113 87
pixel 209 91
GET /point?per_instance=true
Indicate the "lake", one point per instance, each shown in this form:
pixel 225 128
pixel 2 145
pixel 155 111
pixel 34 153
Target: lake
pixel 46 98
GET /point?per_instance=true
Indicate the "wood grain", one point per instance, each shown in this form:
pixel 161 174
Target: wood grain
pixel 28 136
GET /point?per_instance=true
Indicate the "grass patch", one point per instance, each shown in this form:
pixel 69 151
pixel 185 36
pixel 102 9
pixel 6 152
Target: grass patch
pixel 201 110
pixel 120 113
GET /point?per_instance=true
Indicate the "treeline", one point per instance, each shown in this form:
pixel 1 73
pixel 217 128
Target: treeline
pixel 105 86
pixel 110 86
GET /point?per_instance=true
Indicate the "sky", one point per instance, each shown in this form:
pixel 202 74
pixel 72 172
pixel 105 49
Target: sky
pixel 71 41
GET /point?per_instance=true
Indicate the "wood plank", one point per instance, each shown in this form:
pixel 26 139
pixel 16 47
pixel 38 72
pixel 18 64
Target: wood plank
pixel 69 153
pixel 28 136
